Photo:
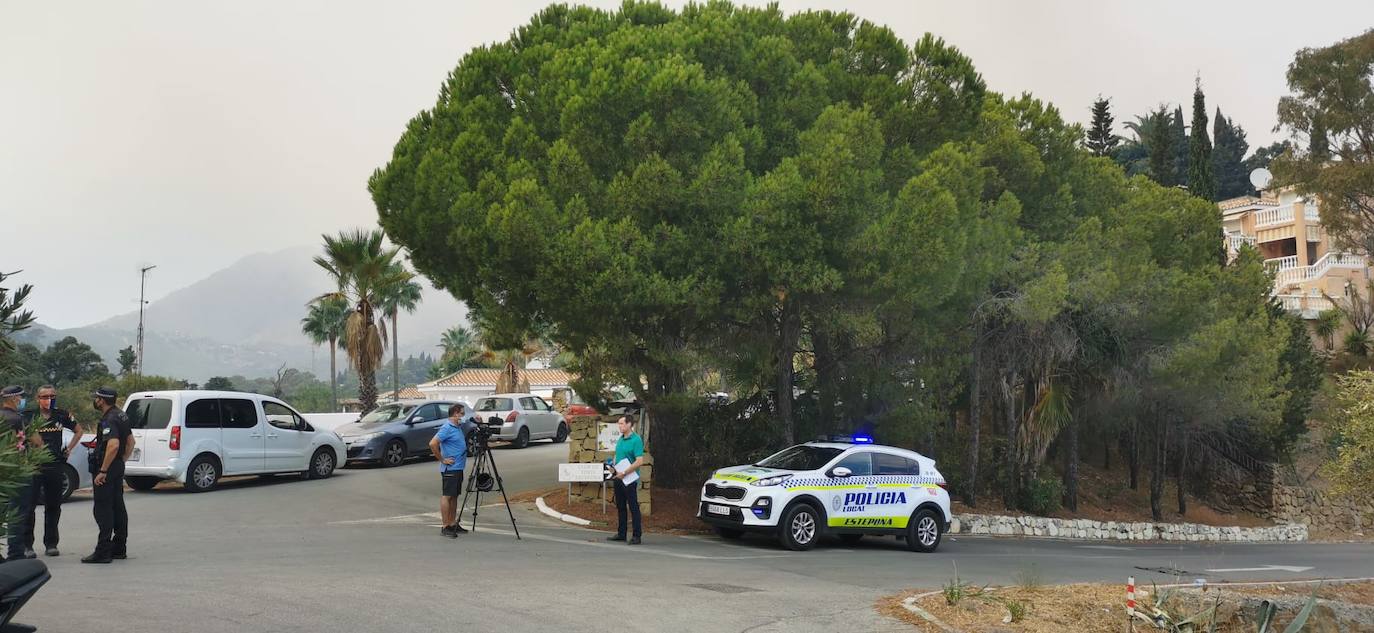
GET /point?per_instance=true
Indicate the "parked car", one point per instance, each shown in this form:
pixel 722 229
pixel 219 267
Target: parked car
pixel 77 471
pixel 395 431
pixel 849 487
pixel 519 418
pixel 197 437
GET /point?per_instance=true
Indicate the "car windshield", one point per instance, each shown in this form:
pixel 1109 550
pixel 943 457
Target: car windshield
pixel 495 404
pixel 387 413
pixel 800 457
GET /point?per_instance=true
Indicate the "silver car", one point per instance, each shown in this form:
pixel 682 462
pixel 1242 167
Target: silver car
pixel 519 418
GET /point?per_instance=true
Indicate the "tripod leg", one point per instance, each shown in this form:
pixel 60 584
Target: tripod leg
pixel 500 485
pixel 472 487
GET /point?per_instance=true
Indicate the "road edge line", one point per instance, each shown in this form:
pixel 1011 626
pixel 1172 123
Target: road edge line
pixel 566 518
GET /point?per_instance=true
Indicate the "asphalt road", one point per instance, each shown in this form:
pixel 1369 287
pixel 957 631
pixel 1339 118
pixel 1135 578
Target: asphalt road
pixel 361 552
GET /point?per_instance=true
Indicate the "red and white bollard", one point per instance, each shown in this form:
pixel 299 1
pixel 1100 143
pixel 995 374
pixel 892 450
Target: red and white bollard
pixel 1130 602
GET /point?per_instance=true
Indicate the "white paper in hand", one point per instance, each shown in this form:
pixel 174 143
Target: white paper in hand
pixel 624 465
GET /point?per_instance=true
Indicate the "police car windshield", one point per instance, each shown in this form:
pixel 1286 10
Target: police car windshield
pixel 801 457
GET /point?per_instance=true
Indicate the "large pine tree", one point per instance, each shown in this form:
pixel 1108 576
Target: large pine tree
pixel 1101 141
pixel 1201 181
pixel 1228 158
pixel 1159 141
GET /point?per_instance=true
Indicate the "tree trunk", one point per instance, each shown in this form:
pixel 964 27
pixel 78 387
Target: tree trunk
pixel 1106 454
pixel 1071 469
pixel 826 383
pixel 1012 487
pixel 1133 451
pixel 1182 469
pixel 789 332
pixel 367 389
pixel 1157 471
pixel 333 375
pixel 395 358
pixel 663 436
pixel 975 423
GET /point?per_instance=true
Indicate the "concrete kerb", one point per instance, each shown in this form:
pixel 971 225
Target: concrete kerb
pixel 910 605
pixel 1090 530
pixel 566 518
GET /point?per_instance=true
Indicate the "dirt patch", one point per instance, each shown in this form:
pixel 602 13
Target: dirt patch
pixel 1092 608
pixel 675 511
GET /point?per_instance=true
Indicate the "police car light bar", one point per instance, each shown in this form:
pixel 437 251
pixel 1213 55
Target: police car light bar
pixel 848 439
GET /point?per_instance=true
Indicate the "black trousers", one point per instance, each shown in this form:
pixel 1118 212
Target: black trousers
pixel 110 515
pixel 18 506
pixel 47 491
pixel 627 496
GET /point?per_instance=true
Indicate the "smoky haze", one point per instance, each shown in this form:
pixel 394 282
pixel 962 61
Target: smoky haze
pixel 189 135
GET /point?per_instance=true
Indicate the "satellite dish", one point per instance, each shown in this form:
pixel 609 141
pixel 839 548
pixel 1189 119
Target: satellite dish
pixel 1261 178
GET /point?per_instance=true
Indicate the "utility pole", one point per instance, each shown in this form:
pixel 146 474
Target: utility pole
pixel 142 284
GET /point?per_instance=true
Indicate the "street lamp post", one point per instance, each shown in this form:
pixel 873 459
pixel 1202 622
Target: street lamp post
pixel 142 284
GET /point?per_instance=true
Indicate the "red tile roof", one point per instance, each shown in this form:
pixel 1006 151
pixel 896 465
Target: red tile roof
pixel 487 378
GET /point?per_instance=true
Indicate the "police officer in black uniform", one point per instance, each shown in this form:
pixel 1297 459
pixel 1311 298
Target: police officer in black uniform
pixel 114 442
pixel 50 480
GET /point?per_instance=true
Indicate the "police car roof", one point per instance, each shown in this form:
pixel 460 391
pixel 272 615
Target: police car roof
pixel 844 446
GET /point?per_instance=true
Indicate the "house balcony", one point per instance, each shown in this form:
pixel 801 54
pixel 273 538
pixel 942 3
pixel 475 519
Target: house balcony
pixel 1306 306
pixel 1280 223
pixel 1288 273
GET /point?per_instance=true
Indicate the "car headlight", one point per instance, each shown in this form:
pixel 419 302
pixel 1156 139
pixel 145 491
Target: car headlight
pixel 770 481
pixel 363 439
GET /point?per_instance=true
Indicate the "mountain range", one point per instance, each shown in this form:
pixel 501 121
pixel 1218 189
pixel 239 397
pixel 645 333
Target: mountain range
pixel 245 320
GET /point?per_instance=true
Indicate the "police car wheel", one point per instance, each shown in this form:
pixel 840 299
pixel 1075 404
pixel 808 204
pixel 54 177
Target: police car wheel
pixel 394 453
pixel 800 527
pixel 70 482
pixel 141 483
pixel 923 533
pixel 203 474
pixel 729 533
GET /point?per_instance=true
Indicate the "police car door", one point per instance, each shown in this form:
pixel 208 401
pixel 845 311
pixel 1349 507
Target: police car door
pixel 899 476
pixel 850 498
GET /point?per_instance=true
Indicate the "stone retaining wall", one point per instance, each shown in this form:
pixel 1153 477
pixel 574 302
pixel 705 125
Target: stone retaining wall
pixel 583 448
pixel 1309 507
pixel 1088 529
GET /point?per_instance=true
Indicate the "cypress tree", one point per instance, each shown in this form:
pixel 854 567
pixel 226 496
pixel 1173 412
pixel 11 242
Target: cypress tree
pixel 1228 158
pixel 1201 181
pixel 1161 145
pixel 1178 142
pixel 1101 141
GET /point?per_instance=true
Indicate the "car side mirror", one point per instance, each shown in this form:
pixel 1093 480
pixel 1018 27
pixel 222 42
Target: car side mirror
pixel 840 471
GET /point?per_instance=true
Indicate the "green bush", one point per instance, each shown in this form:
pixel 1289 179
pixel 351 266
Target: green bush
pixel 1042 496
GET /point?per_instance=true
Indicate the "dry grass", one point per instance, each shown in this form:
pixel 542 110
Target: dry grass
pixel 1085 608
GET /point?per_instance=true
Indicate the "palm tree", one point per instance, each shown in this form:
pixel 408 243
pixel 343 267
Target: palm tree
pixel 325 323
pixel 363 269
pixel 1328 322
pixel 460 345
pixel 403 295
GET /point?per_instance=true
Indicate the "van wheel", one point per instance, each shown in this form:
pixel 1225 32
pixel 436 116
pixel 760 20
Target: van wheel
pixel 522 439
pixel 923 533
pixel 562 433
pixel 800 527
pixel 141 483
pixel 393 454
pixel 322 464
pixel 203 474
pixel 71 480
pixel 729 534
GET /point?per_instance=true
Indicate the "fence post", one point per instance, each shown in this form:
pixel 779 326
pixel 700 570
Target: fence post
pixel 1130 603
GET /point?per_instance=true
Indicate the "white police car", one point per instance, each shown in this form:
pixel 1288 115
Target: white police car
pixel 848 488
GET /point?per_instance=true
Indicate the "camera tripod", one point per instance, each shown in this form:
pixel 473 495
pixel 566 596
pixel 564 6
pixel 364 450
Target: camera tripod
pixel 485 462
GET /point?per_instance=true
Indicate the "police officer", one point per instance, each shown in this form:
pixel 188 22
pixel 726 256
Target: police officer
pixel 12 424
pixel 114 442
pixel 50 481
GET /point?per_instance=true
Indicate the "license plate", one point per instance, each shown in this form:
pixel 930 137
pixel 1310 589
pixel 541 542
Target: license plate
pixel 715 509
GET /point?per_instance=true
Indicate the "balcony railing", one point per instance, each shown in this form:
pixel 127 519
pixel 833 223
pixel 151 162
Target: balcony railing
pixel 1288 272
pixel 1275 215
pixel 1309 306
pixel 1235 240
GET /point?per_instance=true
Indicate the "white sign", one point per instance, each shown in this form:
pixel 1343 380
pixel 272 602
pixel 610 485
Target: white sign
pixel 608 436
pixel 580 472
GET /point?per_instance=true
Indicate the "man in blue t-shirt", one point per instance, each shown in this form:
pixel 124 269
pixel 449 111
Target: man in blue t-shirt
pixel 450 447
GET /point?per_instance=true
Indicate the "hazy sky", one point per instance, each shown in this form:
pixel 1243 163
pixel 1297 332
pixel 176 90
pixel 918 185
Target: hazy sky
pixel 189 134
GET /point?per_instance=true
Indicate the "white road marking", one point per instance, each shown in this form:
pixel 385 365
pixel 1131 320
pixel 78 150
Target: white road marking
pixel 1265 568
pixel 621 547
pixel 1107 547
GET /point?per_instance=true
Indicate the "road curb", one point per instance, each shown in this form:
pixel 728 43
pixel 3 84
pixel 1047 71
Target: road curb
pixel 566 518
pixel 910 605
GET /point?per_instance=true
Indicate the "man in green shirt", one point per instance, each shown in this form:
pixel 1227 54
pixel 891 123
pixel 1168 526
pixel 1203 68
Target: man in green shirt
pixel 630 448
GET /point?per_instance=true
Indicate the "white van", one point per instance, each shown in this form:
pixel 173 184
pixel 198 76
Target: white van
pixel 196 437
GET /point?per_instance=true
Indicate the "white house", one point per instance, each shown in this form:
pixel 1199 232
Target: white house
pixel 471 384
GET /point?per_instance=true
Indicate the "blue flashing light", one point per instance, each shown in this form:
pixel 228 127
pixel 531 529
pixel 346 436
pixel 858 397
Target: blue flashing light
pixel 861 439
